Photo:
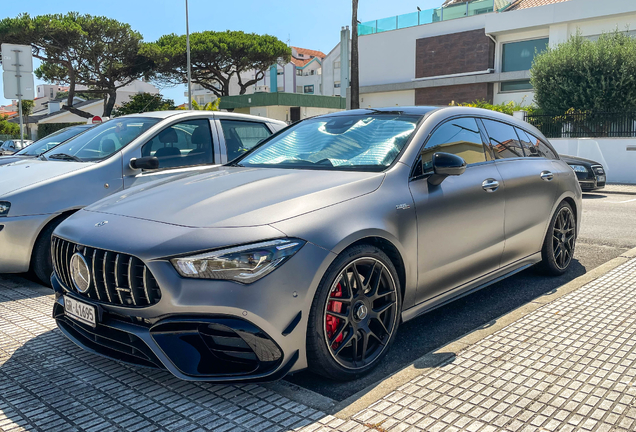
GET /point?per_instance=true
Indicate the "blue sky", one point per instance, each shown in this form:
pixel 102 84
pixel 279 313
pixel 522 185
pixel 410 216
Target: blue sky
pixel 309 24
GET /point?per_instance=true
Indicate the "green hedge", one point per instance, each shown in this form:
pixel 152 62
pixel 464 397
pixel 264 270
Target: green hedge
pixel 45 129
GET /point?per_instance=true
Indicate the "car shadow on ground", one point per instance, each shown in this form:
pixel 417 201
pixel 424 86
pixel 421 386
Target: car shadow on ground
pixel 20 287
pixel 435 329
pixel 592 195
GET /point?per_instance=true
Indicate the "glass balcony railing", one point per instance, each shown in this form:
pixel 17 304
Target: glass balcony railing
pixel 428 16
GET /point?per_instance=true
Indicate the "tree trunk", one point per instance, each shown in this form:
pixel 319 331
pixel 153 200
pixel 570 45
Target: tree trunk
pixel 71 87
pixel 355 71
pixel 110 103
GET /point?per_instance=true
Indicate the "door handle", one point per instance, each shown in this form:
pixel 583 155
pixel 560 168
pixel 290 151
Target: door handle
pixel 490 185
pixel 546 175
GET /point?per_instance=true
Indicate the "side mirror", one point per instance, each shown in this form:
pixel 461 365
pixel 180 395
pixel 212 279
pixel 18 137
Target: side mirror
pixel 148 162
pixel 444 165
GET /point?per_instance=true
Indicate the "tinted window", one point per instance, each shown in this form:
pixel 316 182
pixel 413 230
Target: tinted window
pixel 518 56
pixel 183 144
pixel 459 136
pixel 503 139
pixel 241 136
pixel 534 146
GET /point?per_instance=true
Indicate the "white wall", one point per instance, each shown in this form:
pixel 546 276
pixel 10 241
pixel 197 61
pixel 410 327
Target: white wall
pixel 388 99
pixel 610 152
pixel 389 57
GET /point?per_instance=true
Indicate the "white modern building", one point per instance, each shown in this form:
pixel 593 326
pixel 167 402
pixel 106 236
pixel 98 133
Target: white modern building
pixel 473 50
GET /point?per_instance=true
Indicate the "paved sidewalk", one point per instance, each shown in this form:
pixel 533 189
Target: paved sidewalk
pixel 569 365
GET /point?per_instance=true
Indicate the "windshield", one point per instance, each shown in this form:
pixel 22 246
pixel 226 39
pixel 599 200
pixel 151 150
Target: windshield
pixel 355 142
pixel 50 141
pixel 101 141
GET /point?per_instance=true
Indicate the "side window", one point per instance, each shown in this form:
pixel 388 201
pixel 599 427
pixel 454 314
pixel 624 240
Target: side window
pixel 458 136
pixel 183 144
pixel 533 146
pixel 503 139
pixel 241 136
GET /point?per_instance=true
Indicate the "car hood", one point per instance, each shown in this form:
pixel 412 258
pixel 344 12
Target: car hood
pixel 575 159
pixel 238 197
pixel 23 172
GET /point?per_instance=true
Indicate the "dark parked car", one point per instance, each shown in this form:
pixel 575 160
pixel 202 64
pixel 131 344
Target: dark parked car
pixel 310 250
pixel 591 174
pixel 45 144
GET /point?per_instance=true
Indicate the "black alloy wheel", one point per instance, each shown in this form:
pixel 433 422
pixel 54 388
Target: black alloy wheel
pixel 360 313
pixel 563 238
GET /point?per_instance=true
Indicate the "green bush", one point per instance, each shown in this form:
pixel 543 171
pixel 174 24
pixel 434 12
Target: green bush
pixel 45 129
pixel 10 129
pixel 587 75
pixel 506 108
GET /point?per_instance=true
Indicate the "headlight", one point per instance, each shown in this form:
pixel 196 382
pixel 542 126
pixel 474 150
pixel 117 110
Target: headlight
pixel 579 168
pixel 5 206
pixel 244 264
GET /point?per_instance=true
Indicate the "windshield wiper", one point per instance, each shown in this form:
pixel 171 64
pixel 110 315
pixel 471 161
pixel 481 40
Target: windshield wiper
pixel 65 157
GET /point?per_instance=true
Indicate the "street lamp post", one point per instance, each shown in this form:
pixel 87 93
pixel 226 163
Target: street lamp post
pixel 188 58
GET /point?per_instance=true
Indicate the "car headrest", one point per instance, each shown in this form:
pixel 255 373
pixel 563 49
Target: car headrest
pixel 108 146
pixel 200 136
pixel 168 136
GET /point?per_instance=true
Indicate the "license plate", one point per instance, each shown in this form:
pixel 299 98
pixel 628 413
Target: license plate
pixel 80 311
pixel 600 178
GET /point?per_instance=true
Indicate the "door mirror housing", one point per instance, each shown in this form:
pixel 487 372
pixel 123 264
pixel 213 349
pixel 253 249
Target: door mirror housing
pixel 148 162
pixel 444 165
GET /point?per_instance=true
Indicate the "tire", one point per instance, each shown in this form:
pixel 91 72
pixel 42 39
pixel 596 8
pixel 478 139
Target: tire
pixel 343 313
pixel 41 262
pixel 559 243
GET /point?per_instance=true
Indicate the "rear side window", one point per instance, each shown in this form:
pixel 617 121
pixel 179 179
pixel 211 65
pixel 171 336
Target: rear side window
pixel 458 136
pixel 241 136
pixel 534 147
pixel 503 140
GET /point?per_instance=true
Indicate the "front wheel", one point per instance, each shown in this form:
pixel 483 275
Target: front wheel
pixel 558 246
pixel 41 262
pixel 354 315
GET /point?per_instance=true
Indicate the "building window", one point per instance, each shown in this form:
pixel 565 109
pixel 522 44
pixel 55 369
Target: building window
pixel 336 64
pixel 336 84
pixel 309 89
pixel 512 86
pixel 518 56
pixel 280 72
pixel 299 72
pixel 299 89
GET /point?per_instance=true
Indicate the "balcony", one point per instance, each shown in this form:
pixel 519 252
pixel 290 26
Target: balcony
pixel 429 16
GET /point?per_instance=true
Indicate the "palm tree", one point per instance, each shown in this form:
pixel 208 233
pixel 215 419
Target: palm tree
pixel 210 106
pixel 355 72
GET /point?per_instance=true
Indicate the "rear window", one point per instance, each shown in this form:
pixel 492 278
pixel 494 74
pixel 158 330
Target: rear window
pixel 503 139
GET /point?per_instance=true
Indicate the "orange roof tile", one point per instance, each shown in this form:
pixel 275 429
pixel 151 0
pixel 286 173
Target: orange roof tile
pixel 301 62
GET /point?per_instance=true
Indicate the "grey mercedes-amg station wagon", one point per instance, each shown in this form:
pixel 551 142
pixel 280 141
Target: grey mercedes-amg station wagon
pixel 309 250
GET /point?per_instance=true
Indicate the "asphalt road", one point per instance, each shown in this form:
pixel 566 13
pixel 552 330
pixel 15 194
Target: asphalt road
pixel 608 228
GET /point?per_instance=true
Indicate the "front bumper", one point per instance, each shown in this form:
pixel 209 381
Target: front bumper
pixel 17 237
pixel 195 348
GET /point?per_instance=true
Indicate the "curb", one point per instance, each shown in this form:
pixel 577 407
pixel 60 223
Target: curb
pixel 374 392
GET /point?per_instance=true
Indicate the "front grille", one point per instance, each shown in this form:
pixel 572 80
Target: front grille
pixel 116 278
pixel 598 169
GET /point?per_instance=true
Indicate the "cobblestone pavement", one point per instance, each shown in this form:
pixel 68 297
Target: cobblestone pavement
pixel 570 365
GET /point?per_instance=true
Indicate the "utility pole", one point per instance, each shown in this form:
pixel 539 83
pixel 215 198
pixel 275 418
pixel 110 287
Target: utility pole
pixel 18 76
pixel 188 57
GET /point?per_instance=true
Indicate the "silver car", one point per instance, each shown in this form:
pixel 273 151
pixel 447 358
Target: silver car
pixel 37 194
pixel 312 248
pixel 12 146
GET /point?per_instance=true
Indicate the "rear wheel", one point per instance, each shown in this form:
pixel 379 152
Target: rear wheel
pixel 559 243
pixel 354 315
pixel 41 262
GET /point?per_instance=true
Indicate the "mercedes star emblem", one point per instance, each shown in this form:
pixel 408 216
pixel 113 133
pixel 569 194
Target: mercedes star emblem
pixel 80 274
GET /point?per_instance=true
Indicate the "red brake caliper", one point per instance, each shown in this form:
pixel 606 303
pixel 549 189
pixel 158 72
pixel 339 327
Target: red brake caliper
pixel 332 322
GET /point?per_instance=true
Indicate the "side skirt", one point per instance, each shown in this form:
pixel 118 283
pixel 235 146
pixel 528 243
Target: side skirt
pixel 470 287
